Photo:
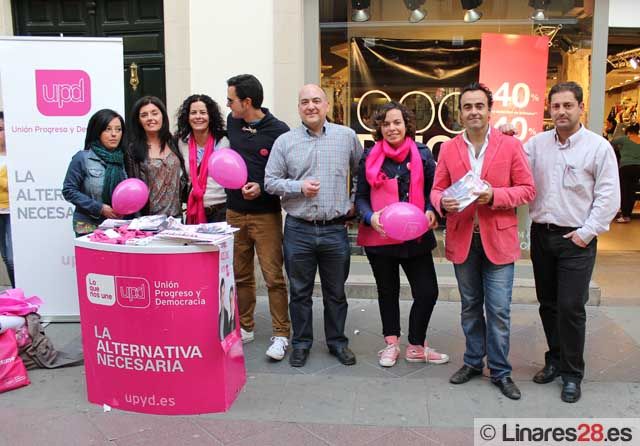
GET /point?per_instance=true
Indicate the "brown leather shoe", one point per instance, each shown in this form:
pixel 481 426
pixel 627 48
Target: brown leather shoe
pixel 546 374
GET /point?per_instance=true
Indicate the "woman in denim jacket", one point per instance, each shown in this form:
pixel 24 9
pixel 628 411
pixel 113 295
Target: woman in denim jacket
pixel 95 171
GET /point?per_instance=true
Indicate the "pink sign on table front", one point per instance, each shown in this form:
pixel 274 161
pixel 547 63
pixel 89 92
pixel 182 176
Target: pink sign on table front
pixel 150 329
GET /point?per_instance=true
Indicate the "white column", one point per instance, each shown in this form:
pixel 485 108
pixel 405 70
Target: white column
pixel 177 60
pixel 230 38
pixel 600 38
pixel 289 60
pixel 6 23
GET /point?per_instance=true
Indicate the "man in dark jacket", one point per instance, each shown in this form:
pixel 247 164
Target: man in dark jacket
pixel 252 131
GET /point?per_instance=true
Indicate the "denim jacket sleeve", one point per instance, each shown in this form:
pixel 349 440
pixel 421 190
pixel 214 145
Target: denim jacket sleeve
pixel 73 186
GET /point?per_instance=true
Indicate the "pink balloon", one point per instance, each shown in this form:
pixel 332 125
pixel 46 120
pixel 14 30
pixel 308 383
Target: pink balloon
pixel 228 168
pixel 404 221
pixel 129 196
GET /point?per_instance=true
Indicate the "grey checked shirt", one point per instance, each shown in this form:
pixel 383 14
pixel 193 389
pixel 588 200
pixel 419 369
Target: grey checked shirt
pixel 331 158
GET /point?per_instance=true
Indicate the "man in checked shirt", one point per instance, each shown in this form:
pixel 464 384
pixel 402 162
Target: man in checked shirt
pixel 310 168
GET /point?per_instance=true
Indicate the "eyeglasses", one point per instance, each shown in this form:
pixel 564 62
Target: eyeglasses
pixel 231 101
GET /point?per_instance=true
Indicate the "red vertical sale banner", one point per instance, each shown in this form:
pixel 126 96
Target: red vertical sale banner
pixel 514 68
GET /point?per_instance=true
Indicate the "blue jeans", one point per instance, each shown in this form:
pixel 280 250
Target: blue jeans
pixel 485 288
pixel 6 246
pixel 307 248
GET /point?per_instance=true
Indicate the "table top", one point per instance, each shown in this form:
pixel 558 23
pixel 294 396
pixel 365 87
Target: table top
pixel 155 247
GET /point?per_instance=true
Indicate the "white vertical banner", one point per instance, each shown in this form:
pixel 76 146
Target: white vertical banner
pixel 50 88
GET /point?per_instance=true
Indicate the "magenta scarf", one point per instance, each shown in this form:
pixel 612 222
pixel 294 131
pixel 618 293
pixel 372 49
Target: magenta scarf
pixel 381 150
pixel 195 204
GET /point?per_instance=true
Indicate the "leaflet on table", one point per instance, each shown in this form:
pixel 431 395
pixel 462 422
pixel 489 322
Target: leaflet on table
pixel 206 233
pixel 153 223
pixel 465 189
pixel 190 237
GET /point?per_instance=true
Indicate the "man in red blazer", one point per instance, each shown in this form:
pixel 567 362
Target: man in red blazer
pixel 482 239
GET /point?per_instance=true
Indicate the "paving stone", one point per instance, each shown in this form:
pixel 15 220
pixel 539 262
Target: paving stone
pixel 174 432
pixel 65 428
pixel 286 434
pixel 343 435
pixel 391 402
pixel 404 437
pixel 311 398
pixel 230 431
pixel 117 424
pixel 446 436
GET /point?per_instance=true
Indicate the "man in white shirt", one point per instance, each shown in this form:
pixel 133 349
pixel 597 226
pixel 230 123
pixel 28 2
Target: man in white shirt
pixel 578 194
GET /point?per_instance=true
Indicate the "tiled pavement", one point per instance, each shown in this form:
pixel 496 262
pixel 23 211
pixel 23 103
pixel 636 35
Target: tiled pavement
pixel 326 403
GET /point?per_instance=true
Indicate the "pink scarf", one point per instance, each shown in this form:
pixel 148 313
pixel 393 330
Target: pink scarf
pixel 381 150
pixel 195 204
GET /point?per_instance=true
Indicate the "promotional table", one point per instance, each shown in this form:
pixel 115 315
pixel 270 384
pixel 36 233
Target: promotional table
pixel 157 337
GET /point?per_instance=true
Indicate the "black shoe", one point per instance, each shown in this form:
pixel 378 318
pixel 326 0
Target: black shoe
pixel 508 388
pixel 546 375
pixel 298 357
pixel 570 392
pixel 464 374
pixel 344 355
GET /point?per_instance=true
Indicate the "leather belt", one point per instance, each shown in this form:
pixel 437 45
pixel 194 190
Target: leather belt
pixel 335 221
pixel 214 208
pixel 553 228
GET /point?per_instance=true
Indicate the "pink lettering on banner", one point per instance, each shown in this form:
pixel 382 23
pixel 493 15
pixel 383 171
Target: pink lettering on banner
pixel 63 92
pixel 150 332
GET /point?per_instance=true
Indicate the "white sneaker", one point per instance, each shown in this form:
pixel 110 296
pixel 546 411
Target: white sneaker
pixel 247 336
pixel 278 347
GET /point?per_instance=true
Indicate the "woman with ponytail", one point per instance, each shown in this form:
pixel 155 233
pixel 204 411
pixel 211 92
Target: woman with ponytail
pixel 397 169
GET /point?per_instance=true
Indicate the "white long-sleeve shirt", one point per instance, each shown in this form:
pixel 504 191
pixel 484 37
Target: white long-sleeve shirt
pixel 577 182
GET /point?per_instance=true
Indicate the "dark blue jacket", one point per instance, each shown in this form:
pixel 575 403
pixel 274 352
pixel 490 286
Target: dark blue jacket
pixel 254 143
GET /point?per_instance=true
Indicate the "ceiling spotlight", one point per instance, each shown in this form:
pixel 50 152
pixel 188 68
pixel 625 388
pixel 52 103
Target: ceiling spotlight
pixel 634 63
pixel 417 14
pixel 470 14
pixel 360 10
pixel 539 6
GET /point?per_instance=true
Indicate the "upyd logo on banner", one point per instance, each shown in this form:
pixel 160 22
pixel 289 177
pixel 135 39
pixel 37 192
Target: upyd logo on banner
pixel 49 91
pixel 63 92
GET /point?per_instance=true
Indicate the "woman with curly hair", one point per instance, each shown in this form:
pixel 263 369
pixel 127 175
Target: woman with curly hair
pixel 200 133
pixel 153 157
pixel 397 169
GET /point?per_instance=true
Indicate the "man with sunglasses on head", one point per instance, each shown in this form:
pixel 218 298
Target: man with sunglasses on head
pixel 252 129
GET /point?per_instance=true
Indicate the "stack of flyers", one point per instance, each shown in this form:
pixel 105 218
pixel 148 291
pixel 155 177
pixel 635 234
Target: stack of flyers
pixel 465 190
pixel 190 236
